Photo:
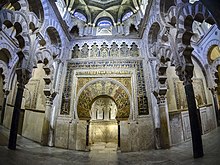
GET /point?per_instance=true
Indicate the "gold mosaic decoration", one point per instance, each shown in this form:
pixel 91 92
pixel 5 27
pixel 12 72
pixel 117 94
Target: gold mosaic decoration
pixel 103 88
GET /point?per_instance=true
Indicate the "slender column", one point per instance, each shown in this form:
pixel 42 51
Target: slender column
pixel 47 133
pixel 163 133
pixel 48 130
pixel 194 120
pixel 119 131
pixel 4 106
pixel 87 133
pixel 22 76
pixel 215 100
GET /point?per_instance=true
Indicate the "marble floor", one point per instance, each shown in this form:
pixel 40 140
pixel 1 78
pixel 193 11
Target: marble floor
pixel 31 153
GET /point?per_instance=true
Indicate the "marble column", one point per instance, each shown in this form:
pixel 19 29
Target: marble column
pixel 119 132
pixel 22 78
pixel 216 106
pixel 163 133
pixel 47 132
pixel 87 133
pixel 194 120
pixel 4 106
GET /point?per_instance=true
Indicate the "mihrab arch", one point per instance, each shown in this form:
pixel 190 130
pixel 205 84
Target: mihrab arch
pixel 103 87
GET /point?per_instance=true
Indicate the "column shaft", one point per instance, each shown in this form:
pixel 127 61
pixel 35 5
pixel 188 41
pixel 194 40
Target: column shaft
pixel 15 118
pixel 47 139
pixel 194 121
pixel 217 112
pixel 164 134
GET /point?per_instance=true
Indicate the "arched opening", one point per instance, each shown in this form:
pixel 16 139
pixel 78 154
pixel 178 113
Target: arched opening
pixel 153 37
pixel 74 31
pixel 53 36
pixel 5 55
pixel 79 15
pixel 101 105
pixel 127 15
pixel 103 132
pixel 104 26
pixel 37 8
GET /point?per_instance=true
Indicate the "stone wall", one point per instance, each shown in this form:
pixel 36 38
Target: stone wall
pixel 34 104
pixel 180 125
pixel 136 135
pixel 177 105
pixel 103 131
pixel 32 125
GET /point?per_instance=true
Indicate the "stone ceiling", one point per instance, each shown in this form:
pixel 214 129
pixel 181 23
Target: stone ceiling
pixel 95 10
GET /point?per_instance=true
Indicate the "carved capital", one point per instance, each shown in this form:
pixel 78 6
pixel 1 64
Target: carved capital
pixel 160 98
pixel 23 76
pixel 49 100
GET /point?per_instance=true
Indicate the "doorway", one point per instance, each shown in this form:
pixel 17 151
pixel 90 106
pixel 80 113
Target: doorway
pixel 103 127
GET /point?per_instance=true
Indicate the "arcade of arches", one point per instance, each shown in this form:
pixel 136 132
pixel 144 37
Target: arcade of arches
pixel 132 74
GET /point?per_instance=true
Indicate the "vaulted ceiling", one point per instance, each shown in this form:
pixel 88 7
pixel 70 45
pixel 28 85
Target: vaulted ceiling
pixel 95 10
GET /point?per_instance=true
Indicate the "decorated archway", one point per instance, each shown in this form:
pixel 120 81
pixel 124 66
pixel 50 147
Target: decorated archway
pixel 101 87
pixel 103 103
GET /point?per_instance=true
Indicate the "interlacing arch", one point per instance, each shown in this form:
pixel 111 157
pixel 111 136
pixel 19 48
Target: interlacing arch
pixel 187 15
pixel 11 65
pixel 171 15
pixel 23 5
pixel 43 57
pixel 214 70
pixel 18 20
pixel 33 21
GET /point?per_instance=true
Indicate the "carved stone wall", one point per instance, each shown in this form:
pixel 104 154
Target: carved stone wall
pixel 105 50
pixel 107 69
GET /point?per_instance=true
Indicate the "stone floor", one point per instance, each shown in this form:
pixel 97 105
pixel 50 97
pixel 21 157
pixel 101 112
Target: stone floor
pixel 31 153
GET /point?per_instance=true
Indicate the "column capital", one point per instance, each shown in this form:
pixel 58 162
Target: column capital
pixel 184 75
pixel 23 76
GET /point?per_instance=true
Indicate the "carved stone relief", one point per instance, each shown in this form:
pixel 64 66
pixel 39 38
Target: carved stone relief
pixel 134 50
pixel 114 51
pixel 76 51
pixel 84 51
pixel 124 51
pixel 30 98
pixel 137 65
pixel 94 52
pixel 104 51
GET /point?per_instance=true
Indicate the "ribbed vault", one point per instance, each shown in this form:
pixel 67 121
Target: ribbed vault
pixel 96 9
